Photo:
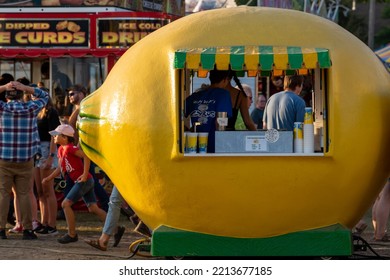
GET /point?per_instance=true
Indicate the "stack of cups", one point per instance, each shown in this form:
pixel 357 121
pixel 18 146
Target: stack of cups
pixel 298 137
pixel 308 131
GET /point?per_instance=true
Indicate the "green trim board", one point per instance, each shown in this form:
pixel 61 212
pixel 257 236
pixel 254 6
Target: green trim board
pixel 334 240
pixel 252 58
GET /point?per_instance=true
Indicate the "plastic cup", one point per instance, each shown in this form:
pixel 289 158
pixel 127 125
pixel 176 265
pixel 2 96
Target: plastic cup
pixel 202 142
pixel 298 137
pixel 308 115
pixel 192 142
pixel 308 138
pixel 298 145
pixel 222 121
pixel 298 130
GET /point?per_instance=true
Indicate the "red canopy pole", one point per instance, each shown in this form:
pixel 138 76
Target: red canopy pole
pixel 110 62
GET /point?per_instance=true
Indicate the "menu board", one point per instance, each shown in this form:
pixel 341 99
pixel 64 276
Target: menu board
pixel 174 7
pixel 44 33
pixel 123 33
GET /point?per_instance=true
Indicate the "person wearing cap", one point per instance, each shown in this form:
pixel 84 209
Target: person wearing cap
pixel 18 146
pixel 74 164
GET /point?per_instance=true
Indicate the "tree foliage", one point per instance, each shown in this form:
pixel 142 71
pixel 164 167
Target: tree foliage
pixel 357 25
pixel 382 37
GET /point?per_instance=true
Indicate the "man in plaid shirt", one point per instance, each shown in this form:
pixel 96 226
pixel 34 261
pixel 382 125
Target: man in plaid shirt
pixel 18 147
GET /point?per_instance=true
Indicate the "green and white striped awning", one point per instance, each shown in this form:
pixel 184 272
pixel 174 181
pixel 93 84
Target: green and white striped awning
pixel 252 58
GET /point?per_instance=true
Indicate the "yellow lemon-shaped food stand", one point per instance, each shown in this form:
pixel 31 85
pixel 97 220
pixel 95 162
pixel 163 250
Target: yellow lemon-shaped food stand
pixel 132 128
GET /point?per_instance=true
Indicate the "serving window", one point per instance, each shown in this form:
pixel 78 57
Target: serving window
pixel 259 64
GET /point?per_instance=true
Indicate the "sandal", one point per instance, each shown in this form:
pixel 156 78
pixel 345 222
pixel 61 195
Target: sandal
pixel 360 229
pixel 143 229
pixel 118 235
pixel 385 238
pixel 96 244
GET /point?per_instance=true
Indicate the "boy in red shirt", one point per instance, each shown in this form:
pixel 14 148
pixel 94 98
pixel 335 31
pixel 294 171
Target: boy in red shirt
pixel 75 164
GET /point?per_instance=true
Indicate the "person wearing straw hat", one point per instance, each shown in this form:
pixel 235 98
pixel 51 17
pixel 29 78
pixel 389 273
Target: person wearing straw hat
pixel 285 107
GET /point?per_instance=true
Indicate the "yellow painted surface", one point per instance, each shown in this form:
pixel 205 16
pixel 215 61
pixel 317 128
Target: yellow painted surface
pixel 137 133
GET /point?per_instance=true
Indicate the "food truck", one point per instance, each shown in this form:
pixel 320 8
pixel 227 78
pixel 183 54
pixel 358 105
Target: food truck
pixel 66 45
pixel 74 44
pixel 254 196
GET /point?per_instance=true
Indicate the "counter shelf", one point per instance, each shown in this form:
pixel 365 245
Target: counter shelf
pixel 319 154
pixel 254 143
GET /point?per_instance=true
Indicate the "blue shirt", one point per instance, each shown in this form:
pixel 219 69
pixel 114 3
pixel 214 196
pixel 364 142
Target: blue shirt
pixel 283 109
pixel 257 117
pixel 203 106
pixel 19 138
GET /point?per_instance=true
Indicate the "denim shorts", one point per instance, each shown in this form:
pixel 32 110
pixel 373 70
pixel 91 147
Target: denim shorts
pixel 45 154
pixel 84 190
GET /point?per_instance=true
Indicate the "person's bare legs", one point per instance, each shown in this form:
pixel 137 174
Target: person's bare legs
pixel 374 213
pixel 42 199
pixel 50 198
pixel 93 208
pixel 18 221
pixel 382 212
pixel 103 240
pixel 34 204
pixel 70 218
pixel 360 227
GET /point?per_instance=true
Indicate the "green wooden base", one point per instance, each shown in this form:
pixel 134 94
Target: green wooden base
pixel 334 240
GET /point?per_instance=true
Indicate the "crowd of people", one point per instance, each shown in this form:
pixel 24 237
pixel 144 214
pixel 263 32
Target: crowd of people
pixel 36 147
